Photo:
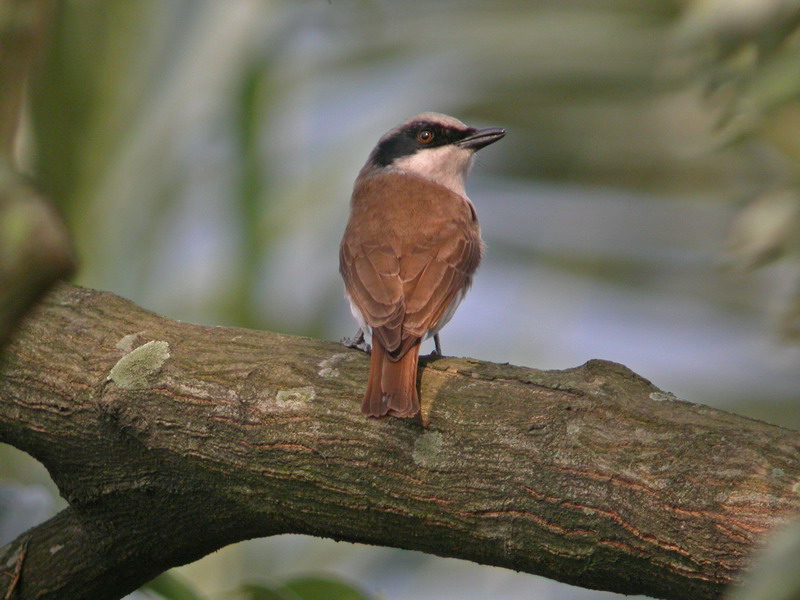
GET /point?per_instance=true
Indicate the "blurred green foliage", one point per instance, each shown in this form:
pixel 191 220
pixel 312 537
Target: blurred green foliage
pixel 171 587
pixel 111 116
pixel 138 103
pixel 746 56
pixel 305 588
pixel 310 587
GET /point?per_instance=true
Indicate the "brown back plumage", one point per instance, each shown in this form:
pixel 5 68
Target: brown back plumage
pixel 410 249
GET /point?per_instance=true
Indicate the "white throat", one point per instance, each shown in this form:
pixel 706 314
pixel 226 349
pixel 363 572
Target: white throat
pixel 446 165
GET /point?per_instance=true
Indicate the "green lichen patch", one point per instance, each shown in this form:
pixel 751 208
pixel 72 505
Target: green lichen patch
pixel 139 369
pixel 129 342
pixel 328 372
pixel 295 397
pixel 663 397
pixel 329 368
pixel 427 449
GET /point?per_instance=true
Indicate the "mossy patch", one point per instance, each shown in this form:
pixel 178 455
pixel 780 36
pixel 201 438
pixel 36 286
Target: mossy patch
pixel 427 449
pixel 329 367
pixel 295 397
pixel 139 369
pixel 663 397
pixel 129 342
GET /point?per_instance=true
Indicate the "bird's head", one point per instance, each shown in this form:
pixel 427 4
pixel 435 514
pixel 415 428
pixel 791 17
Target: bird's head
pixel 432 146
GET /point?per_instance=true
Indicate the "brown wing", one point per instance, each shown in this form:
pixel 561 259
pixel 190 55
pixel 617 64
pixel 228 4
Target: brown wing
pixel 408 250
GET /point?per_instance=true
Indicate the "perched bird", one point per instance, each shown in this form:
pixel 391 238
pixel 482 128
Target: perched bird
pixel 410 248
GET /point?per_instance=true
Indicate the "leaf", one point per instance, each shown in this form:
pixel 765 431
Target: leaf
pixel 323 588
pixel 257 591
pixel 172 587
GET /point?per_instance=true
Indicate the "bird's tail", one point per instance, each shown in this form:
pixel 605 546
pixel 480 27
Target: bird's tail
pixel 392 384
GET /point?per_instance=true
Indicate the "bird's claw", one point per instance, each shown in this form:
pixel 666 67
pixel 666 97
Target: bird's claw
pixel 358 342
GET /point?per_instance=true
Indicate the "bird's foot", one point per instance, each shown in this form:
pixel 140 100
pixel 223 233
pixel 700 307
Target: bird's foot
pixel 358 342
pixel 437 350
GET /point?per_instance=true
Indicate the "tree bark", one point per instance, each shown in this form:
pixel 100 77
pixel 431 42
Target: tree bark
pixel 170 440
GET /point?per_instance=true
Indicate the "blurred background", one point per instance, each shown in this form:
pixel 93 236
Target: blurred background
pixel 643 207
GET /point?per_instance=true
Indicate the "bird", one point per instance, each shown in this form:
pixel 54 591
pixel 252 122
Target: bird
pixel 410 248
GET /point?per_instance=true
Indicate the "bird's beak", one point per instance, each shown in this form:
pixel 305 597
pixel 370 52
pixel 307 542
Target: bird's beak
pixel 481 138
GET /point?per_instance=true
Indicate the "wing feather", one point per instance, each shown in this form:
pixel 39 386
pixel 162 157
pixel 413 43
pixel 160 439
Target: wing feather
pixel 410 249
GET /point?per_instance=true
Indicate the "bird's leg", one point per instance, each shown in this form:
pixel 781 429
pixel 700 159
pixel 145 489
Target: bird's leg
pixel 357 341
pixel 438 346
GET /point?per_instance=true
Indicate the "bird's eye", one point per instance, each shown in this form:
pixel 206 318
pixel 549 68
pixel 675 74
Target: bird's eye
pixel 425 136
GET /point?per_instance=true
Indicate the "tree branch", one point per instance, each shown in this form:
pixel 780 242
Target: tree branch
pixel 170 440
